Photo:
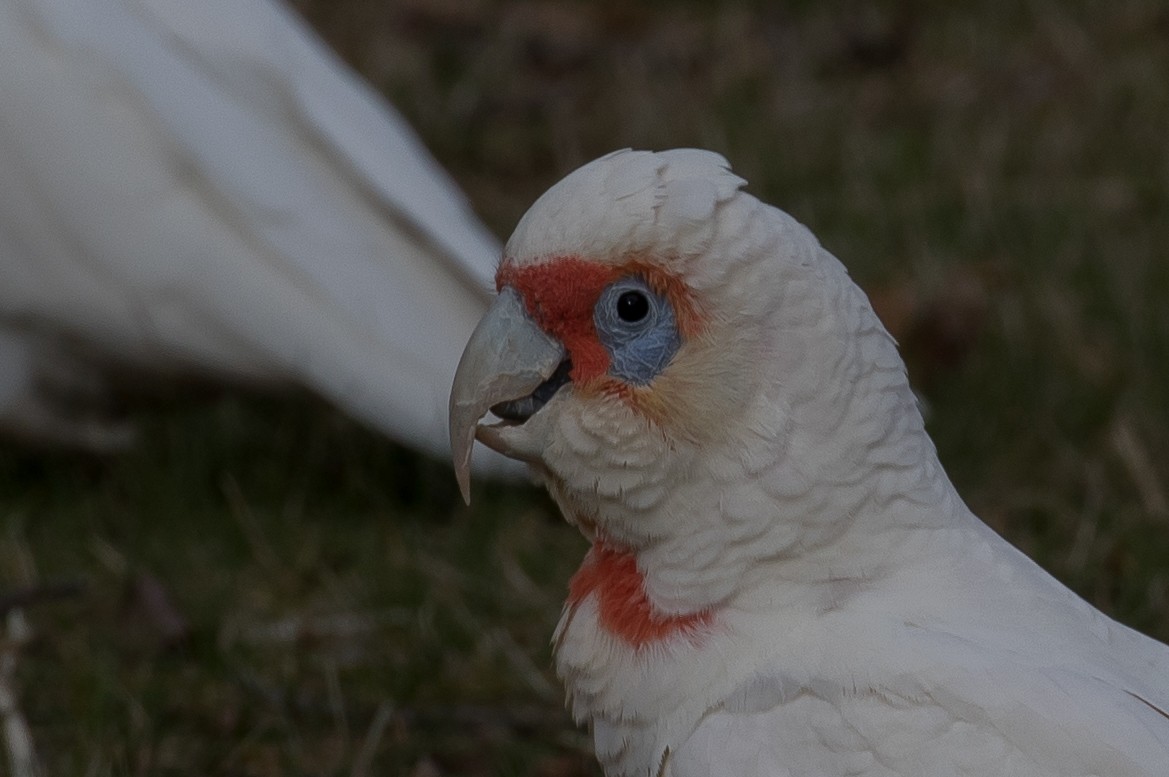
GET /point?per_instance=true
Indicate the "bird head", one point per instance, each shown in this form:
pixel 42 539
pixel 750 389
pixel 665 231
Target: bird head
pixel 661 337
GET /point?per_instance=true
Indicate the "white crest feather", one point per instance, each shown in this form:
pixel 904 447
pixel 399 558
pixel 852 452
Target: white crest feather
pixel 625 203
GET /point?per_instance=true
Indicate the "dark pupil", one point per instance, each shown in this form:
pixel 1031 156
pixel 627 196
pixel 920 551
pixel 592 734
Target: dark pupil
pixel 632 306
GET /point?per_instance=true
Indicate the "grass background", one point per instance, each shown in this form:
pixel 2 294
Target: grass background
pixel 268 589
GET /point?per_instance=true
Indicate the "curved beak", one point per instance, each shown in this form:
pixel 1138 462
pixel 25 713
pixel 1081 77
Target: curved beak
pixel 507 358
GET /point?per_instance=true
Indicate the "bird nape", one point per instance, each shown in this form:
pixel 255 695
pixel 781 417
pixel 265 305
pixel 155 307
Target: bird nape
pixel 782 580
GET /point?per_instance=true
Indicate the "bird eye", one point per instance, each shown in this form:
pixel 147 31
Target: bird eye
pixel 632 306
pixel 636 326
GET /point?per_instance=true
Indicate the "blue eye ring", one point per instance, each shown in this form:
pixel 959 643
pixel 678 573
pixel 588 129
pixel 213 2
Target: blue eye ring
pixel 637 328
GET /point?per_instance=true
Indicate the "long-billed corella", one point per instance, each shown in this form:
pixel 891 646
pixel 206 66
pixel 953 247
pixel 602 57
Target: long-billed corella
pixel 782 580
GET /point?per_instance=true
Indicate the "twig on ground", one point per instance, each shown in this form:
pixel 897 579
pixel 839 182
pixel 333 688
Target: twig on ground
pixel 17 737
pixel 39 593
pixel 373 737
pixel 1141 469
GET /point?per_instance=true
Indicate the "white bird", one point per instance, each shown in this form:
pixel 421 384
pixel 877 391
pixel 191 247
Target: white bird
pixel 204 189
pixel 783 581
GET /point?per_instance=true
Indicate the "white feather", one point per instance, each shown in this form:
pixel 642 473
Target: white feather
pixel 203 188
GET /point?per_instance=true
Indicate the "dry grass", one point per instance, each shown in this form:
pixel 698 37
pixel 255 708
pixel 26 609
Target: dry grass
pixel 270 590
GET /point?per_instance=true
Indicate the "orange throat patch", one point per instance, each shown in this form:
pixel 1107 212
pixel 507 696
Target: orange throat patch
pixel 624 609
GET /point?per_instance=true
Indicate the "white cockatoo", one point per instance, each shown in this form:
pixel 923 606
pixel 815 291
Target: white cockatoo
pixel 201 188
pixel 782 579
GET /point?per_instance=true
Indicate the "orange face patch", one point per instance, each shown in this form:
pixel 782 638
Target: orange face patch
pixel 625 611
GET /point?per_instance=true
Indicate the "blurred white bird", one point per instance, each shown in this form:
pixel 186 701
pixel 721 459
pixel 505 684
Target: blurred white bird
pixel 204 189
pixel 783 581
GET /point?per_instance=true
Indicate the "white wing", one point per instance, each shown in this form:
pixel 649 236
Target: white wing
pixel 978 664
pixel 202 187
pixel 945 721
